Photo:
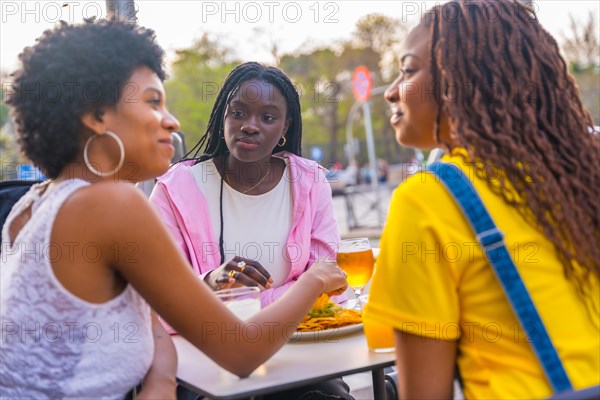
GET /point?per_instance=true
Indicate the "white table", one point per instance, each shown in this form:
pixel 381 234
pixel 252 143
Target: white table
pixel 294 365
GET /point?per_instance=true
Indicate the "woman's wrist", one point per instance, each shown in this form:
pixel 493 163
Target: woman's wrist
pixel 312 281
pixel 161 380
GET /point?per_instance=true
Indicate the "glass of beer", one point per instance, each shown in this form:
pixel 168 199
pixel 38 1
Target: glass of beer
pixel 355 257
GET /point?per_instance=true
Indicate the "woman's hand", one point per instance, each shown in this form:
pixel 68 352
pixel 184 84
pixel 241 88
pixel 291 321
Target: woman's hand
pixel 332 277
pixel 239 272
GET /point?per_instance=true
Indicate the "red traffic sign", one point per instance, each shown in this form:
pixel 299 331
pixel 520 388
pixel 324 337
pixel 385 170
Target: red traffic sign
pixel 362 83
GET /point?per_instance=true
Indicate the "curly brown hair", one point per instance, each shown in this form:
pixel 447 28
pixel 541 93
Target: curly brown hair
pixel 519 111
pixel 72 70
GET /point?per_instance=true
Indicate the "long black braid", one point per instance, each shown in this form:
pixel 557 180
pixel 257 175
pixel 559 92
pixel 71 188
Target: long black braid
pixel 212 143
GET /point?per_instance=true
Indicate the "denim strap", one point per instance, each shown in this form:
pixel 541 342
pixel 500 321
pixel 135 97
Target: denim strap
pixel 491 240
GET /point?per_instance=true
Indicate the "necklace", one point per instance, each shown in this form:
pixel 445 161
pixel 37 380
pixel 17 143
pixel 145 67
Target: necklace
pixel 253 187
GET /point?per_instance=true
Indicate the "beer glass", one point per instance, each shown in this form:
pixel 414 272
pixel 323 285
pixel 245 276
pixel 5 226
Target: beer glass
pixel 355 257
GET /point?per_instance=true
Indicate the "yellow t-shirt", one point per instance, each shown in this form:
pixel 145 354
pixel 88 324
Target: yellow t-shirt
pixel 432 280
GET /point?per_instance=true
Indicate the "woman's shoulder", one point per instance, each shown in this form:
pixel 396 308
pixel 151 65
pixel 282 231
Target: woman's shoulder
pixel 177 169
pixel 421 184
pixel 425 183
pixel 183 173
pixel 302 166
pixel 100 211
pixel 119 195
pixel 294 158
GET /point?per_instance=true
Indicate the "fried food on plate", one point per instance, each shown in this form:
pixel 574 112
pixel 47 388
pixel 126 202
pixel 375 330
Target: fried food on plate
pixel 324 314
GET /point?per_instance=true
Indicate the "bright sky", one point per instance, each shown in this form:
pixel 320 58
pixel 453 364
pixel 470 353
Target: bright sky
pixel 248 27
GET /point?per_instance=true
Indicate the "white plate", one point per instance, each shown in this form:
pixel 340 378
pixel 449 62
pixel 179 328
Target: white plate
pixel 325 335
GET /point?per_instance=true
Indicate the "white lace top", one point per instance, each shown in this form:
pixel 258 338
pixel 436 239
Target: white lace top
pixel 54 344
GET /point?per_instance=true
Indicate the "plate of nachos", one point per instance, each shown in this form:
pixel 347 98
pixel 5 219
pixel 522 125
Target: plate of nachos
pixel 327 320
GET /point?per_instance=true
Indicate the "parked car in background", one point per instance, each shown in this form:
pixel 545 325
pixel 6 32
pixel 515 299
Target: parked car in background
pixel 341 179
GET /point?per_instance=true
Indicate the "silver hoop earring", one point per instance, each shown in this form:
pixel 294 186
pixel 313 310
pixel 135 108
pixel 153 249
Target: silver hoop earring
pixel 121 151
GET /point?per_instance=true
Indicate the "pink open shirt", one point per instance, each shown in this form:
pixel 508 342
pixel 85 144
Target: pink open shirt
pixel 313 236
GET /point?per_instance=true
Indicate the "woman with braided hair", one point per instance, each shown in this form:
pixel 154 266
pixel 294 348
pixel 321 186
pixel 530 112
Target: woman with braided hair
pixel 486 82
pixel 246 209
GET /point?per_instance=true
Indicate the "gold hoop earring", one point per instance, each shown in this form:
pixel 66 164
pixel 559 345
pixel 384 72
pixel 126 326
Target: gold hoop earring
pixel 284 142
pixel 121 158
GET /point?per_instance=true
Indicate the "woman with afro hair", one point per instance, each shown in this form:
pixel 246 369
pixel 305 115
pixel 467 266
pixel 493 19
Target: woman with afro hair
pixel 85 258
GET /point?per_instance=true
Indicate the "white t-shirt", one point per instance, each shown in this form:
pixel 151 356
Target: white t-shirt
pixel 255 227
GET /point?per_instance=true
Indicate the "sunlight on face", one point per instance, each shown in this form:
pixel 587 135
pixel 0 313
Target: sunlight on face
pixel 143 123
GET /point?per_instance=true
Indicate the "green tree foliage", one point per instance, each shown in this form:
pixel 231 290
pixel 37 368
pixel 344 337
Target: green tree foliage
pixel 9 151
pixel 582 50
pixel 588 81
pixel 196 78
pixel 383 35
pixel 3 109
pixel 581 45
pixel 322 76
pixel 325 76
pixel 9 156
pixel 317 76
pixel 3 113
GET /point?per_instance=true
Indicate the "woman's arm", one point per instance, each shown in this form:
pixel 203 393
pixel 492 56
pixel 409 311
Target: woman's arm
pixel 162 276
pixel 425 367
pixel 160 381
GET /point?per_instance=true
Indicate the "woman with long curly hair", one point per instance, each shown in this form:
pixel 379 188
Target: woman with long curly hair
pixel 486 82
